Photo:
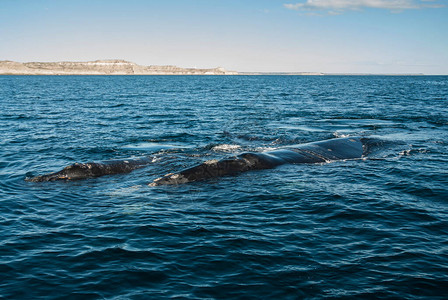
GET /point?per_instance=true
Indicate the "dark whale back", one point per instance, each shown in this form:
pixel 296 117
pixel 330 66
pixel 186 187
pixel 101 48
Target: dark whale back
pixel 316 152
pixel 333 149
pixel 93 169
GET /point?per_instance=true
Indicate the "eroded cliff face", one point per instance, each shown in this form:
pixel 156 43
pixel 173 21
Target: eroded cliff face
pixel 101 67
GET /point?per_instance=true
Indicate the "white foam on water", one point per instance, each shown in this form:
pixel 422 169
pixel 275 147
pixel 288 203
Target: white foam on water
pixel 226 147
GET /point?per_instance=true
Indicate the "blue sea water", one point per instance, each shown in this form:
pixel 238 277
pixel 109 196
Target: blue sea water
pixel 370 228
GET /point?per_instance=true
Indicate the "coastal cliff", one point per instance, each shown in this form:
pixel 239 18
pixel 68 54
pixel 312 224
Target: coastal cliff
pixel 101 67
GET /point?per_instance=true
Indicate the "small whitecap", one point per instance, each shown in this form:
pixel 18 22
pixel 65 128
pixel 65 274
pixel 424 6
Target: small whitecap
pixel 340 135
pixel 226 147
pixel 151 147
pixel 264 149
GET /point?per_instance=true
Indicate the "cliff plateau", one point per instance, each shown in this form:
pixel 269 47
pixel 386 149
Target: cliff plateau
pixel 101 67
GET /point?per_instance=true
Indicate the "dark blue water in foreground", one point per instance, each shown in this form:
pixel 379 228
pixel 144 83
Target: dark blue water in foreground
pixel 375 227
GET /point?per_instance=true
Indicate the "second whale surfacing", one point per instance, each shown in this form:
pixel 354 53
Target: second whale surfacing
pixel 316 152
pixel 94 169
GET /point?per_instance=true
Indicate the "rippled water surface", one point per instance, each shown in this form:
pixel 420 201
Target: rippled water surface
pixel 374 227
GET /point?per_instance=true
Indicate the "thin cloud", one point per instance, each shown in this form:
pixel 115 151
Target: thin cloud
pixel 339 6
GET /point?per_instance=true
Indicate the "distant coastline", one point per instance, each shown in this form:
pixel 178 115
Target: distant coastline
pixel 123 67
pixel 101 67
pixel 328 74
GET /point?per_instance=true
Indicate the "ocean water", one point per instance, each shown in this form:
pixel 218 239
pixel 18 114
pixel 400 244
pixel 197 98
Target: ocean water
pixel 375 227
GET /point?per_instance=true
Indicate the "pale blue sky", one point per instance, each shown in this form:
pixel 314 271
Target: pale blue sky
pixel 354 36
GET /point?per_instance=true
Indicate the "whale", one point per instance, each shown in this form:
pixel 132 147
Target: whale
pixel 79 171
pixel 310 153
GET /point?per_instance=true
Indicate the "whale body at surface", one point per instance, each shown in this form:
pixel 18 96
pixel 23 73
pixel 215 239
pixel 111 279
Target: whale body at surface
pixel 94 169
pixel 316 152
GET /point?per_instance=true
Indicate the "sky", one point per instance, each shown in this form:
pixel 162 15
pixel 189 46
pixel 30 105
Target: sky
pixel 330 36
